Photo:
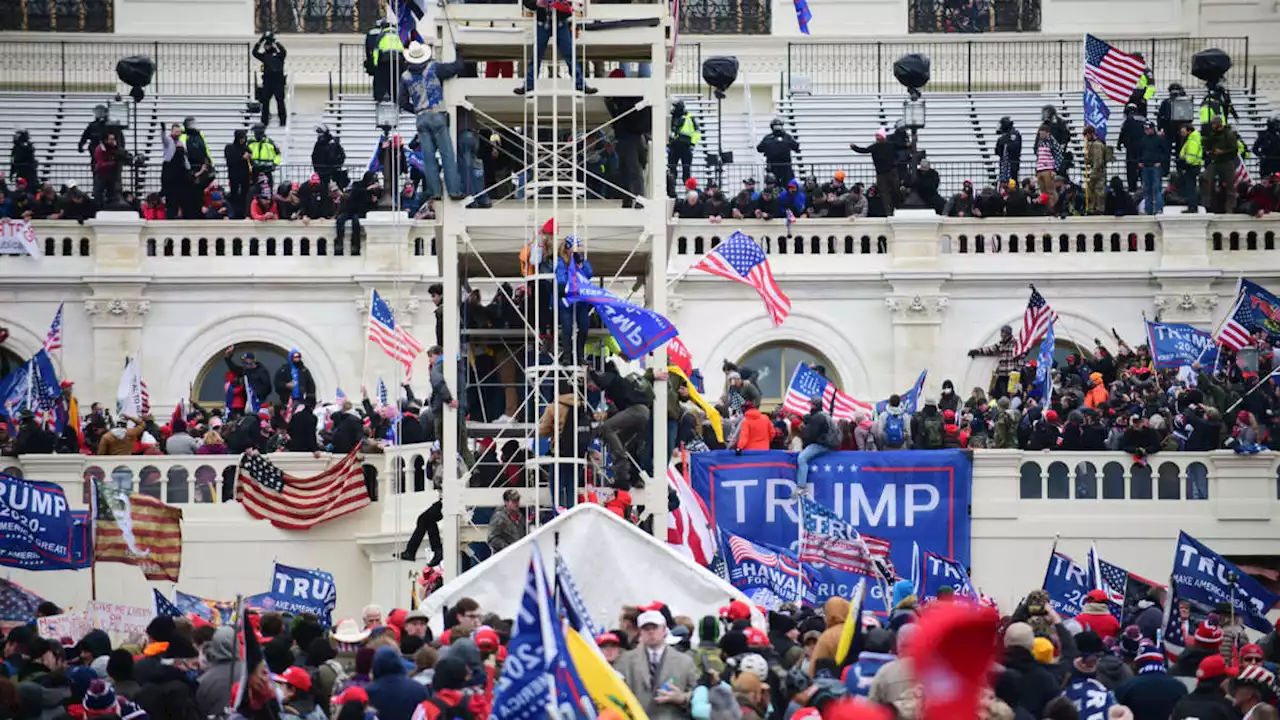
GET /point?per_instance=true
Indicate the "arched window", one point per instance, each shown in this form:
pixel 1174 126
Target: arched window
pixel 210 384
pixel 776 363
pixel 9 361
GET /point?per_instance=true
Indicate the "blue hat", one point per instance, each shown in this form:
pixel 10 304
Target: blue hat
pixel 572 242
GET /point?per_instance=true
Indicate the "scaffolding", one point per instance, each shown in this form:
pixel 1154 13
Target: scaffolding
pixel 506 330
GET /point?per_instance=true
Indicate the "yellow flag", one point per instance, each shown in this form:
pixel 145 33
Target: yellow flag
pixel 852 623
pixel 603 684
pixel 717 424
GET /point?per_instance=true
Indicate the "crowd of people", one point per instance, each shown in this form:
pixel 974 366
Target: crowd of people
pixel 743 663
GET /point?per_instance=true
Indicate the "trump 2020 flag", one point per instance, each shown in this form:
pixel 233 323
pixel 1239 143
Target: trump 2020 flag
pixel 1067 583
pixel 803 15
pixel 1096 112
pixel 1174 345
pixel 299 590
pixel 638 330
pixel 544 682
pixel 939 572
pixel 1044 366
pixel 1204 576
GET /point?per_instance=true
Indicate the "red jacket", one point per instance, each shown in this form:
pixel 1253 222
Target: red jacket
pixel 756 432
pixel 475 702
pixel 1098 618
pixel 105 161
pixel 153 213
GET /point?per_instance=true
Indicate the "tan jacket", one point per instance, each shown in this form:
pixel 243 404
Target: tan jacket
pixel 836 611
pixel 548 426
pixel 111 445
pixel 676 668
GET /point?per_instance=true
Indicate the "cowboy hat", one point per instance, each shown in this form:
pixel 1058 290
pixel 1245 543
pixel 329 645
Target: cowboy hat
pixel 348 631
pixel 417 53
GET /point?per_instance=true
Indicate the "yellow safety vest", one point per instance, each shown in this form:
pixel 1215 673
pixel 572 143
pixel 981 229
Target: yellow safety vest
pixel 263 150
pixel 1192 152
pixel 389 42
pixel 690 130
pixel 1148 91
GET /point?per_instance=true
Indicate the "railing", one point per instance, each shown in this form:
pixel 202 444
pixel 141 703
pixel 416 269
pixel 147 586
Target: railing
pixel 148 176
pixel 317 16
pixel 988 65
pixel 726 17
pixel 64 16
pixel 685 77
pixel 351 75
pixel 189 68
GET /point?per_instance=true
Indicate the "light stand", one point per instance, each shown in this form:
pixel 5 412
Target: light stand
pixel 135 71
pixel 720 73
pixel 912 71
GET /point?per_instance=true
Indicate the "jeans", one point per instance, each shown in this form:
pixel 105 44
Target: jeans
pixel 564 47
pixel 577 315
pixel 1153 190
pixel 433 133
pixel 1190 187
pixel 632 70
pixel 355 226
pixel 617 431
pixel 808 455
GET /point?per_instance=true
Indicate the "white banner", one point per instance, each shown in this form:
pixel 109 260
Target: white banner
pixel 125 623
pixel 131 396
pixel 17 237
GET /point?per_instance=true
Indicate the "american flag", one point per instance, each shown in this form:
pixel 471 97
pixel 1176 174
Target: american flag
pixel 1119 584
pixel 1242 172
pixel 53 341
pixel 807 384
pixel 295 503
pixel 17 604
pixel 1113 71
pixel 740 259
pixel 1035 322
pixel 164 607
pixel 382 393
pixel 1234 332
pixel 392 338
pixel 690 531
pixel 831 541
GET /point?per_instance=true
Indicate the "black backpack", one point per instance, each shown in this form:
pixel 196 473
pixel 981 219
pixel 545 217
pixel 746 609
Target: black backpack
pixel 453 712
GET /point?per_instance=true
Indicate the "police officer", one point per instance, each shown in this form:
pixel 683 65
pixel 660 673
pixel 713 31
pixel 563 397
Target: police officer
pixel 328 158
pixel 777 147
pixel 1190 161
pixel 1130 140
pixel 384 60
pixel 1008 150
pixel 96 130
pixel 1267 148
pixel 1217 102
pixel 684 136
pixel 1145 90
pixel 1169 126
pixel 263 155
pixel 271 54
pixel 22 160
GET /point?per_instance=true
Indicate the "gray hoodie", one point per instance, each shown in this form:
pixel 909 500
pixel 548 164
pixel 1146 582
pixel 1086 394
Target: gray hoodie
pixel 213 694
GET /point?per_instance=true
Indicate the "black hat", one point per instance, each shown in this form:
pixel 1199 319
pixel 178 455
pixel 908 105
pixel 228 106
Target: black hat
pixel 451 672
pixel 1089 643
pixel 733 643
pixel 161 629
pixel 749 181
pixel 180 648
pixel 781 623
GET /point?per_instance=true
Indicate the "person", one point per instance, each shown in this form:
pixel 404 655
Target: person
pixel 661 677
pixel 167 680
pixel 97 129
pixel 1048 154
pixel 22 159
pixel 884 156
pixel 820 435
pixel 685 135
pixel 263 155
pixel 453 696
pixel 358 201
pixel 264 208
pixel 508 524
pixel 776 147
pixel 271 53
pixel 1254 686
pixel 293 380
pixel 422 93
pixel 1267 148
pixel 383 57
pixel 1096 615
pixel 222 669
pixel 1008 150
pixel 575 318
pixel 1007 360
pixel 1092 699
pixel 630 128
pixel 328 158
pixel 561 14
pixel 1190 162
pixel 1206 642
pixel 893 427
pixel 1221 147
pixel 1153 157
pixel 1207 700
pixel 756 431
pixel 631 418
pixel 392 692
pixel 1151 694
pixel 1096 155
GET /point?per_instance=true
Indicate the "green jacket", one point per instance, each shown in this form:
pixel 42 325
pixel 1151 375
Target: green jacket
pixel 1220 145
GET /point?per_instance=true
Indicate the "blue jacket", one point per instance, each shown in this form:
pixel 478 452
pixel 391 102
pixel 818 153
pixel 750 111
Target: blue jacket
pixel 858 680
pixel 1153 149
pixel 392 693
pixel 796 201
pixel 1151 695
pixel 564 272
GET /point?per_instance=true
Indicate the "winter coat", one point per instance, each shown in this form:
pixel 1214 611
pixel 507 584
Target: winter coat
pixel 815 427
pixel 836 612
pixel 119 441
pixel 169 694
pixel 213 692
pixel 505 529
pixel 1206 702
pixel 392 693
pixel 862 673
pixel 891 682
pixel 755 432
pixel 1098 618
pixel 674 667
pixel 906 428
pixel 1097 395
pixel 1151 695
pixel 1038 684
pixel 348 431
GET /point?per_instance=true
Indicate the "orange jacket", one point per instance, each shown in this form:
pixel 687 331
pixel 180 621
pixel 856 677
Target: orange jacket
pixel 1097 395
pixel 756 432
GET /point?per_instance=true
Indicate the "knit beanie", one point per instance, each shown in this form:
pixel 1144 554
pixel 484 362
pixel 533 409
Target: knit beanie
pixel 1041 649
pixel 1020 635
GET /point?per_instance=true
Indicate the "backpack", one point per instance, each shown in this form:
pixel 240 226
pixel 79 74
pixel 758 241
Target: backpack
pixel 834 437
pixel 893 430
pixel 931 429
pixel 452 712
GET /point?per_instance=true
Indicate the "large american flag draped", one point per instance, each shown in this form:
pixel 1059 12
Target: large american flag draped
pixel 1035 322
pixel 740 259
pixel 53 340
pixel 137 529
pixel 294 503
pixel 807 384
pixel 17 604
pixel 830 541
pixel 1234 333
pixel 1112 71
pixel 389 336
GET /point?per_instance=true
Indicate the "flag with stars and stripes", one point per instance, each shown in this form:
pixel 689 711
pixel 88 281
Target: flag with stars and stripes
pixel 17 604
pixel 1124 589
pixel 1036 320
pixel 294 503
pixel 807 383
pixel 53 340
pixel 830 541
pixel 165 608
pixel 1114 72
pixel 390 336
pixel 382 393
pixel 741 259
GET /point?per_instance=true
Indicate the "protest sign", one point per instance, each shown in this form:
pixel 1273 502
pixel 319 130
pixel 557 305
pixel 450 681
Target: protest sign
pixel 17 237
pixel 125 623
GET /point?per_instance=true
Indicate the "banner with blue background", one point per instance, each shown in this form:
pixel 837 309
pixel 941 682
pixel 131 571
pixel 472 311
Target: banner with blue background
pixel 1202 575
pixel 1067 583
pixel 1174 345
pixel 894 498
pixel 298 590
pixel 38 530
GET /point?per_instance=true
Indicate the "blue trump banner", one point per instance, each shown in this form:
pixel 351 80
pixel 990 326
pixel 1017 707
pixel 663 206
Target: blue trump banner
pixel 1258 310
pixel 297 590
pixel 1174 345
pixel 638 330
pixel 893 499
pixel 38 531
pixel 1067 583
pixel 770 577
pixel 1204 576
pixel 1096 112
pixel 938 572
pixel 218 612
pixel 539 679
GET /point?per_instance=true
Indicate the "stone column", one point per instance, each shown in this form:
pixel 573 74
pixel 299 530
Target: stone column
pixel 917 305
pixel 116 313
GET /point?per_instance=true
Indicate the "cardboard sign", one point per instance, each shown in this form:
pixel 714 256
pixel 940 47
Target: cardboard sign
pixel 125 623
pixel 17 237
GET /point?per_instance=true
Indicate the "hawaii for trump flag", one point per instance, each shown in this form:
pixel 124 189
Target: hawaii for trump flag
pixel 137 529
pixel 768 576
pixel 295 503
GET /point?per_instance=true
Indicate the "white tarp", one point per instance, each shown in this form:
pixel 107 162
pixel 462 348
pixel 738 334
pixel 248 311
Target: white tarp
pixel 613 562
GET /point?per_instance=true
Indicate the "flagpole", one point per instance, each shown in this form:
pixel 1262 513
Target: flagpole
pixel 1053 551
pixel 93 538
pixel 1255 387
pixel 364 364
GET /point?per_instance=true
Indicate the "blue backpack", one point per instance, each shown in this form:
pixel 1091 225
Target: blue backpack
pixel 893 431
